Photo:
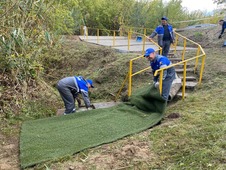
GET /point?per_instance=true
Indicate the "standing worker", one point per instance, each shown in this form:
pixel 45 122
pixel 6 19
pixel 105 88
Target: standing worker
pixel 165 36
pixel 70 87
pixel 158 62
pixel 223 23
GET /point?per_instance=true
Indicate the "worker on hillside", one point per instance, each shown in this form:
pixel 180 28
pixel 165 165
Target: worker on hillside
pixel 223 23
pixel 70 87
pixel 158 62
pixel 165 35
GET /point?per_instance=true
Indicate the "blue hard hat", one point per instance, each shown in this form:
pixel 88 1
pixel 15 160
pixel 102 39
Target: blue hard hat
pixel 164 18
pixel 90 82
pixel 148 52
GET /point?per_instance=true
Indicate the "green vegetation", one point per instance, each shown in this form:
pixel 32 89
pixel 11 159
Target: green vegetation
pixel 194 140
pixel 37 49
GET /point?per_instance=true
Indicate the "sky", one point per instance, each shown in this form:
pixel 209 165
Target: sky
pixel 203 5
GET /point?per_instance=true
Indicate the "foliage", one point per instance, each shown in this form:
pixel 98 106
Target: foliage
pixel 219 1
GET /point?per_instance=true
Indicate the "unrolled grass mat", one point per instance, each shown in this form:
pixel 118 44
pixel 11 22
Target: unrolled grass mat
pixel 52 138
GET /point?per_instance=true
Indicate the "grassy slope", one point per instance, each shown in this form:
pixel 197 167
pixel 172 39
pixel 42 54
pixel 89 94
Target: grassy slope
pixel 196 140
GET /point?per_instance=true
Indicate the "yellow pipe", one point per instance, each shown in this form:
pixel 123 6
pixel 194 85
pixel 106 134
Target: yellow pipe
pixel 184 49
pixel 178 63
pixel 145 31
pixel 141 71
pixel 197 59
pixel 120 90
pixel 136 58
pixel 186 38
pixel 130 78
pixel 160 49
pixel 160 81
pixel 202 69
pixel 184 80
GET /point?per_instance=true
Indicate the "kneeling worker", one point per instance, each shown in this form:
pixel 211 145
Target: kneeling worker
pixel 158 62
pixel 70 87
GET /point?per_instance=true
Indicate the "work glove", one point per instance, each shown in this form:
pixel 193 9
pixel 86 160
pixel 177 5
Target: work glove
pixel 220 36
pixel 156 84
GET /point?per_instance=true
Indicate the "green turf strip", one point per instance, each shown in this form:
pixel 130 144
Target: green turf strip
pixel 51 138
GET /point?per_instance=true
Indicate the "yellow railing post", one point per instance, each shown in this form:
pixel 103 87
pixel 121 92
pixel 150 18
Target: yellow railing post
pixel 130 78
pixel 120 90
pixel 113 38
pixel 161 71
pixel 202 68
pixel 175 43
pixel 160 50
pixel 184 50
pixel 145 31
pixel 197 59
pixel 160 81
pixel 184 80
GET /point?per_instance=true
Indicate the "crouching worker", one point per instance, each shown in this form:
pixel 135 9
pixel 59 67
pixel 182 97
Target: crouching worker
pixel 158 62
pixel 70 87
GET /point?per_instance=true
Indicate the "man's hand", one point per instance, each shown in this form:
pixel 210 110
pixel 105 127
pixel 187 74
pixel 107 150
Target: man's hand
pixel 156 84
pixel 149 38
pixel 220 36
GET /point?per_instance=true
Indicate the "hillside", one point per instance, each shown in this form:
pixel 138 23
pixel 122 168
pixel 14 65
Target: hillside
pixel 193 139
pixel 207 37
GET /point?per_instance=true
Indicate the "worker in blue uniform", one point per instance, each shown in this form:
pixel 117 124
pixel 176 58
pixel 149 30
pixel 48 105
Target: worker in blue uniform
pixel 165 35
pixel 158 62
pixel 223 24
pixel 70 87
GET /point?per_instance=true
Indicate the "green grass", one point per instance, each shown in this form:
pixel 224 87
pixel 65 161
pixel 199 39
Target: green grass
pixel 197 140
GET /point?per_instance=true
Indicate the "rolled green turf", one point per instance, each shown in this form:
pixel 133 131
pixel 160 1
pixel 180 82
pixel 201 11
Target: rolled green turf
pixel 51 138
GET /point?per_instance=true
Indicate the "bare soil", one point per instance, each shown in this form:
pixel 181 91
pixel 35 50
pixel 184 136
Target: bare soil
pixel 9 152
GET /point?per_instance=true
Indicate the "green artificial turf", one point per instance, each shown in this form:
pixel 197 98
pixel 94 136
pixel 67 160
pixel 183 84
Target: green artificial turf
pixel 52 138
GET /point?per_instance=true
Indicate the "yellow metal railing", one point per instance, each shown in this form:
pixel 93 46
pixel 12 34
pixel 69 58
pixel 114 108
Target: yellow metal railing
pixel 160 71
pixel 129 32
pixel 113 34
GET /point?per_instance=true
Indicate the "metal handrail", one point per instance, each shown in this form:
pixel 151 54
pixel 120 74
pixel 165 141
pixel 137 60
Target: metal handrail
pixel 184 62
pixel 159 71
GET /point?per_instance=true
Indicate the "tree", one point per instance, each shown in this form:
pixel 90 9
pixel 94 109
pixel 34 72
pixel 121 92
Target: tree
pixel 219 1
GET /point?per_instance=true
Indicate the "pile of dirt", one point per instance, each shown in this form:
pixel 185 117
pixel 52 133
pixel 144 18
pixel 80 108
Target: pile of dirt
pixel 126 156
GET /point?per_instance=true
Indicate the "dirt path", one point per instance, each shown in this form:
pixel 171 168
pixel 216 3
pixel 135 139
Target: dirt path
pixel 9 152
